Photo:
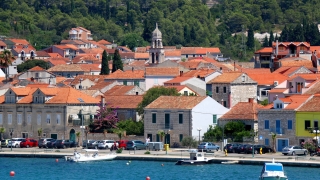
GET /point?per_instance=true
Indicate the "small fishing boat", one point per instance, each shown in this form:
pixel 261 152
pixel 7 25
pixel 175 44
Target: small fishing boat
pixel 196 158
pixel 229 162
pixel 90 155
pixel 272 171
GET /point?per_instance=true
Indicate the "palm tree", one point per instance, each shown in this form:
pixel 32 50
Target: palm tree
pixel 119 132
pixel 39 132
pixel 5 61
pixel 273 136
pixel 2 130
pixel 78 137
pixel 162 135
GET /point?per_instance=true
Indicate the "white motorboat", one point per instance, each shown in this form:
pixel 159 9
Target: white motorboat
pixel 90 155
pixel 196 158
pixel 272 171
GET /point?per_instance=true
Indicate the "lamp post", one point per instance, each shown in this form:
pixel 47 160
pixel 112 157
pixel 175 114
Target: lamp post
pixel 11 131
pixel 316 131
pixel 254 133
pixel 83 129
pixel 199 129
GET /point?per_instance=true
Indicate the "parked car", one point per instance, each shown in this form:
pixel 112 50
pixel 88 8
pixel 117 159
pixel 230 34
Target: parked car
pixel 4 142
pixel 135 145
pixel 28 142
pixel 43 142
pixel 105 144
pixel 256 149
pixel 93 145
pixel 122 144
pixel 294 150
pixel 231 148
pixel 208 146
pixel 85 142
pixel 242 148
pixel 15 142
pixel 52 144
pixel 65 144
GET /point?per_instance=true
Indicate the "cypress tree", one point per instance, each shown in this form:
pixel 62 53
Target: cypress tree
pixel 271 38
pixel 265 42
pixel 117 62
pixel 105 64
pixel 250 41
pixel 186 34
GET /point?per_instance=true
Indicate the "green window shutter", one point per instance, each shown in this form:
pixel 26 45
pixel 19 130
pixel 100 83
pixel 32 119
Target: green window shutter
pixel 136 83
pixel 125 82
pixel 214 120
pixel 154 118
pixel 180 137
pixel 180 118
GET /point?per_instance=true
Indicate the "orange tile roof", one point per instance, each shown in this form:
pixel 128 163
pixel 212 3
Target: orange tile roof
pixel 2 98
pixel 104 42
pixel 306 76
pixel 57 62
pixel 278 90
pixel 296 62
pixel 90 67
pixel 55 55
pixel 162 71
pixel 292 102
pixel 181 87
pixel 141 55
pixel 243 111
pixel 312 105
pixel 176 102
pixel 28 98
pixel 36 68
pixel 264 50
pixel 141 49
pixel 199 50
pixel 289 43
pixel 100 85
pixel 190 64
pixel 68 95
pixel 118 90
pixel 84 57
pixel 315 89
pixel 93 78
pixel 256 70
pixel 19 48
pixel 60 79
pixel 3 44
pixel 124 102
pixel 20 41
pixel 226 77
pixel 198 73
pixel 37 85
pixel 21 91
pixel 178 79
pixel 135 74
pixel 66 68
pixel 173 53
pixel 267 78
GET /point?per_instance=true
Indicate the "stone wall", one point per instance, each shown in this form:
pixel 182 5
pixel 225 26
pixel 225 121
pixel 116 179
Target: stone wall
pixel 242 92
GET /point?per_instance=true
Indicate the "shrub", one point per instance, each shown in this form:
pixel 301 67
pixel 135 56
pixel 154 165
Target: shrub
pixel 147 152
pixel 119 150
pixel 189 142
pixel 176 145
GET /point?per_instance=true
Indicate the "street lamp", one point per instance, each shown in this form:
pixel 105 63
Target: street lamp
pixel 316 131
pixel 83 128
pixel 199 129
pixel 11 131
pixel 253 133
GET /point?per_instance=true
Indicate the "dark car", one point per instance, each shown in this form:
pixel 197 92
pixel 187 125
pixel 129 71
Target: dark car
pixel 136 145
pixel 231 148
pixel 93 145
pixel 242 148
pixel 256 149
pixel 28 142
pixel 52 144
pixel 65 144
pixel 43 142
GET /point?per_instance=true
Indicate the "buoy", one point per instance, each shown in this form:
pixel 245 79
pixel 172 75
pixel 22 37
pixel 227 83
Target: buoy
pixel 162 164
pixel 12 173
pixel 57 160
pixel 147 178
pixel 127 163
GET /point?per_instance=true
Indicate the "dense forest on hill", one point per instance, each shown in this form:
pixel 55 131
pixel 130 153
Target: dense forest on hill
pixel 130 22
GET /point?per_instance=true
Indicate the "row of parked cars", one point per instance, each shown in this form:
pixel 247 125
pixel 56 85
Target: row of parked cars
pixel 247 148
pixel 107 144
pixel 42 143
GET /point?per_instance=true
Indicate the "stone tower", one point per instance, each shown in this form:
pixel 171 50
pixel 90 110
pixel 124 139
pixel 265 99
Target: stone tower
pixel 156 51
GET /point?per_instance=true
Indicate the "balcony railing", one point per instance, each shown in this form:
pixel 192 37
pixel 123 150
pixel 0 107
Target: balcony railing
pixel 277 130
pixel 165 126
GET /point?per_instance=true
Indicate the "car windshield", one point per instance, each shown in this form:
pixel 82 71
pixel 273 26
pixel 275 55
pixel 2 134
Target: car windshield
pixel 203 144
pixel 274 168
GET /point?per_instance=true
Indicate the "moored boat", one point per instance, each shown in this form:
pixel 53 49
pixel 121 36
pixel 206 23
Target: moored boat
pixel 90 155
pixel 272 171
pixel 196 158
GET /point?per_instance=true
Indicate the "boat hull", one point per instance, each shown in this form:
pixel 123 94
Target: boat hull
pixel 191 162
pixel 273 178
pixel 88 159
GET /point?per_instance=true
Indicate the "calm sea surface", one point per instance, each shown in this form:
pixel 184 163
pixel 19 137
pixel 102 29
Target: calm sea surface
pixel 47 169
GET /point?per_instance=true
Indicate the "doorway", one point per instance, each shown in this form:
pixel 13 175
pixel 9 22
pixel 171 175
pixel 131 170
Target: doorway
pixel 72 135
pixel 54 136
pixel 281 143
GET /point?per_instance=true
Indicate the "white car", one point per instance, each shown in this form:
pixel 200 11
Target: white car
pixel 105 144
pixel 294 150
pixel 15 142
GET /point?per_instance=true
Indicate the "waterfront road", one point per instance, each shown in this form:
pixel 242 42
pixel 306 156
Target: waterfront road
pixel 173 154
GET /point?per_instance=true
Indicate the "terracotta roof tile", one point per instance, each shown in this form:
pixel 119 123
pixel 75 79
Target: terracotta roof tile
pixel 93 78
pixel 58 62
pixel 190 64
pixel 289 43
pixel 159 71
pixel 55 55
pixel 21 91
pixel 243 111
pixel 264 50
pixel 84 57
pixel 36 68
pixel 295 101
pixel 141 50
pixel 104 42
pixel 176 102
pixel 2 98
pixel 178 79
pixel 312 105
pixel 68 95
pixel 66 68
pixel 100 85
pixel 3 44
pixel 135 74
pixel 19 41
pixel 198 73
pixel 124 102
pixel 118 90
pixel 267 78
pixel 227 77
pixel 315 89
pixel 294 61
pixel 256 70
pixel 141 55
pixel 174 53
pixel 42 54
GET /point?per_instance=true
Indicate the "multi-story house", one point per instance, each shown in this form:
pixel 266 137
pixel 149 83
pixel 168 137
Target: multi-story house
pixel 80 33
pixel 133 77
pixel 279 118
pixel 292 70
pixel 231 88
pixel 119 90
pixel 194 83
pixel 67 51
pixel 156 76
pixel 86 81
pixel 3 46
pixel 24 52
pixel 38 74
pixel 73 70
pixel 187 52
pixel 59 112
pixel 180 117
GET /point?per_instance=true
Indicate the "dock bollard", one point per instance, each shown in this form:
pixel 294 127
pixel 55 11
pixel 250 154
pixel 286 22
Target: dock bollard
pixel 260 150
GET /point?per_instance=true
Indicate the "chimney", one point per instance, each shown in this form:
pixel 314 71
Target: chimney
pixel 220 69
pixel 181 73
pixel 132 69
pixel 250 100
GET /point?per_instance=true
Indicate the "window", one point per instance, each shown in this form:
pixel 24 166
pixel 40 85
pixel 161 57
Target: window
pixel 48 120
pixel 307 124
pixel 36 99
pixel 136 83
pixel 224 89
pixel 58 118
pixel 125 82
pixel 37 75
pixel 180 137
pixel 315 124
pixel 217 89
pixel 299 87
pixel 214 119
pixel 39 119
pixel 9 118
pixel 154 118
pixel 289 124
pixel 224 103
pixel 1 119
pixel 29 119
pixel 19 117
pixel 266 124
pixel 243 78
pixel 264 93
pixel 185 93
pixel 279 106
pixel 180 118
pixel 155 81
pixel 266 142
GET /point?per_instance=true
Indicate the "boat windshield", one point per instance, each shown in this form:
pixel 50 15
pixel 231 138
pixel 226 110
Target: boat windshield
pixel 274 168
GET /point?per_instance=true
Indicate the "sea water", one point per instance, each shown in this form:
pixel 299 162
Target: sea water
pixel 50 169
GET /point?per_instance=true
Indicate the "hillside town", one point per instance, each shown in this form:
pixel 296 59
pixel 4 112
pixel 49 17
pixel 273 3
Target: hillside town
pixel 276 94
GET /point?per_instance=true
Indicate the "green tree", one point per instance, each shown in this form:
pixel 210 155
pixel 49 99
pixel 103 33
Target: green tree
pixel 119 132
pixel 161 134
pixel 250 41
pixel 213 134
pixel 189 142
pixel 271 39
pixel 131 127
pixel 2 130
pixel 5 61
pixel 265 42
pixel 78 134
pixel 152 94
pixel 40 132
pixel 117 62
pixel 32 63
pixel 105 64
pixel 236 131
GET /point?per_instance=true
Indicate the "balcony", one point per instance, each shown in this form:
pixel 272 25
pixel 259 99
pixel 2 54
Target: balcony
pixel 165 126
pixel 277 131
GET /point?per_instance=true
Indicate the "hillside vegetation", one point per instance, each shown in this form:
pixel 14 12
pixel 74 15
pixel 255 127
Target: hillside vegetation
pixel 182 22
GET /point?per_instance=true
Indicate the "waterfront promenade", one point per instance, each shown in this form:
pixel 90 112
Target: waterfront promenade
pixel 172 155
